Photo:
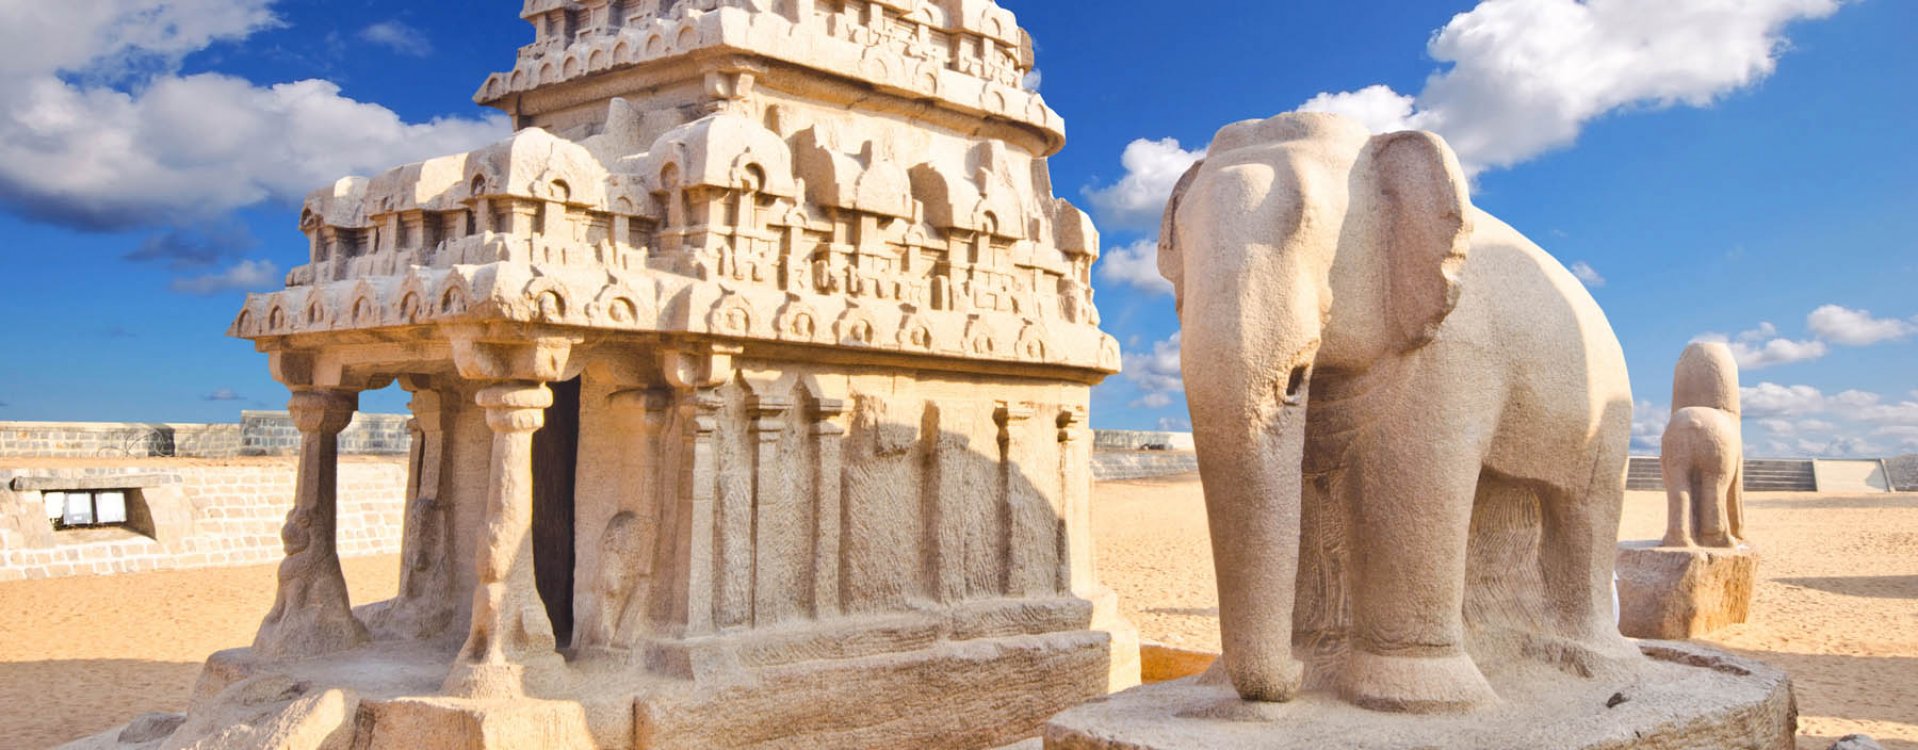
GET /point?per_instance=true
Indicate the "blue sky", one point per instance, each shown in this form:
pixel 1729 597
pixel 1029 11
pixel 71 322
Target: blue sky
pixel 1729 169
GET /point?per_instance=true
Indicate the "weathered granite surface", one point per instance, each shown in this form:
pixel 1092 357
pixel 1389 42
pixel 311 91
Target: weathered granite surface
pixel 1694 697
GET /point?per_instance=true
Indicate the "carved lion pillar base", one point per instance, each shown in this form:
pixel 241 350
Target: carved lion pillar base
pixel 312 614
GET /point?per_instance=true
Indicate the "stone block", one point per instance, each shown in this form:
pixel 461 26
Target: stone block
pixel 1685 696
pixel 449 723
pixel 1674 593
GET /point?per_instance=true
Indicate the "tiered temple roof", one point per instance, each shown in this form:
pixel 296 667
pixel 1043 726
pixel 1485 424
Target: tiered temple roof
pixel 846 173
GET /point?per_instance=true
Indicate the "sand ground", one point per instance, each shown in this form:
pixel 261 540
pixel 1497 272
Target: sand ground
pixel 82 655
pixel 1837 604
pixel 1838 608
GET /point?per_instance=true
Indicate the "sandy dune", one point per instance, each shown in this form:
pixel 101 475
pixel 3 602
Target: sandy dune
pixel 1838 608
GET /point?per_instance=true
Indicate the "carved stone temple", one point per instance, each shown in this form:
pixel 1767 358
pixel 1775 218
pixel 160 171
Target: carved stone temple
pixel 750 382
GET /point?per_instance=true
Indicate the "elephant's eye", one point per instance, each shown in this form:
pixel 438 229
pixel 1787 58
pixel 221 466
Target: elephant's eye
pixel 1295 384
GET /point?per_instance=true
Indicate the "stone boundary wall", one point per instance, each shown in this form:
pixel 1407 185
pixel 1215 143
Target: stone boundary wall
pixel 1132 440
pixel 191 516
pixel 259 433
pixel 1112 466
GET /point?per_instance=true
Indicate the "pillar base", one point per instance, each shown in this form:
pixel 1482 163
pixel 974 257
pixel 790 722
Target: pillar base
pixel 1684 696
pixel 408 723
pixel 1675 593
pixel 976 677
pixel 506 682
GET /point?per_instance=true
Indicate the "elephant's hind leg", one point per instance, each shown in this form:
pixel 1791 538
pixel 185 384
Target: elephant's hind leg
pixel 1678 501
pixel 1735 506
pixel 1712 498
pixel 1414 514
pixel 1577 555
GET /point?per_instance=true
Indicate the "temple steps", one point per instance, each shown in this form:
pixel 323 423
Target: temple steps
pixel 1761 475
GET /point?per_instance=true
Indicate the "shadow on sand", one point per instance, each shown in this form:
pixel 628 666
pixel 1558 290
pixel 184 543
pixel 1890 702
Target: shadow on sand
pixel 1870 587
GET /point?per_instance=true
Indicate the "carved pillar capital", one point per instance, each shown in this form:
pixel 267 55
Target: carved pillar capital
pixel 322 411
pixel 516 406
pixel 428 405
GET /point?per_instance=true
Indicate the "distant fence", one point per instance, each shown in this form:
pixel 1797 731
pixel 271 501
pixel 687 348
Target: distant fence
pixel 259 433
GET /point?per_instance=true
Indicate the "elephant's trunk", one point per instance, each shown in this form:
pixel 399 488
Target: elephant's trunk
pixel 1251 466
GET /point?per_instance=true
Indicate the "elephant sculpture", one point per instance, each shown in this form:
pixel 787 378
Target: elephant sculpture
pixel 1412 423
pixel 1703 451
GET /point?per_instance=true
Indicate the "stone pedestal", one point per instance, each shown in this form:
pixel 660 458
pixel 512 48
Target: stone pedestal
pixel 1684 696
pixel 1675 593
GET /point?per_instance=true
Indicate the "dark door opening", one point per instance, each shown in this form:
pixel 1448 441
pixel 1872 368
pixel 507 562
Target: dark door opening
pixel 555 465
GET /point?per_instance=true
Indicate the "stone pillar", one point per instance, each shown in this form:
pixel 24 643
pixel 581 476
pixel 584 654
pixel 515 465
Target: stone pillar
pixel 511 633
pixel 426 601
pixel 776 533
pixel 311 613
pixel 520 216
pixel 1031 523
pixel 698 500
pixel 829 499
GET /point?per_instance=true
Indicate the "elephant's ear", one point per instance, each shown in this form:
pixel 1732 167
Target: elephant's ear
pixel 1171 256
pixel 1423 217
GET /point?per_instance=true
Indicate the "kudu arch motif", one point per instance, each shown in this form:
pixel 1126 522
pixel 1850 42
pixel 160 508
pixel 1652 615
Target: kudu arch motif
pixel 1393 393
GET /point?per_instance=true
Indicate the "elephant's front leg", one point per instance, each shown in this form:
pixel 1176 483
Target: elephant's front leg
pixel 1416 484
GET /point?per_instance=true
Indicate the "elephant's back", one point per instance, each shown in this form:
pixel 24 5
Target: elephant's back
pixel 1567 380
pixel 1527 298
pixel 1701 436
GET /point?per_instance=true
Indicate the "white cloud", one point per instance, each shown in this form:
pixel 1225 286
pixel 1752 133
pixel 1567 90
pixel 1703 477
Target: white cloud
pixel 1377 107
pixel 1648 425
pixel 1904 438
pixel 102 133
pixel 1802 420
pixel 1527 75
pixel 1762 347
pixel 397 36
pixel 118 37
pixel 1787 427
pixel 1842 325
pixel 244 276
pixel 1137 200
pixel 1134 265
pixel 1033 80
pixel 1587 274
pixel 1771 399
pixel 1758 349
pixel 1156 374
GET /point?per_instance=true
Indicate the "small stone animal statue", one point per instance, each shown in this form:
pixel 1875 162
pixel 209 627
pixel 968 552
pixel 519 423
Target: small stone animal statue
pixel 1703 453
pixel 1393 393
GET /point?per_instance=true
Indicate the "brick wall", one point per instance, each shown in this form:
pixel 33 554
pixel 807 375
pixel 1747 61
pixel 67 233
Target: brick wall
pixel 230 514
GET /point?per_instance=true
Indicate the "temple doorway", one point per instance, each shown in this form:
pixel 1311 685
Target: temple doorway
pixel 555 466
